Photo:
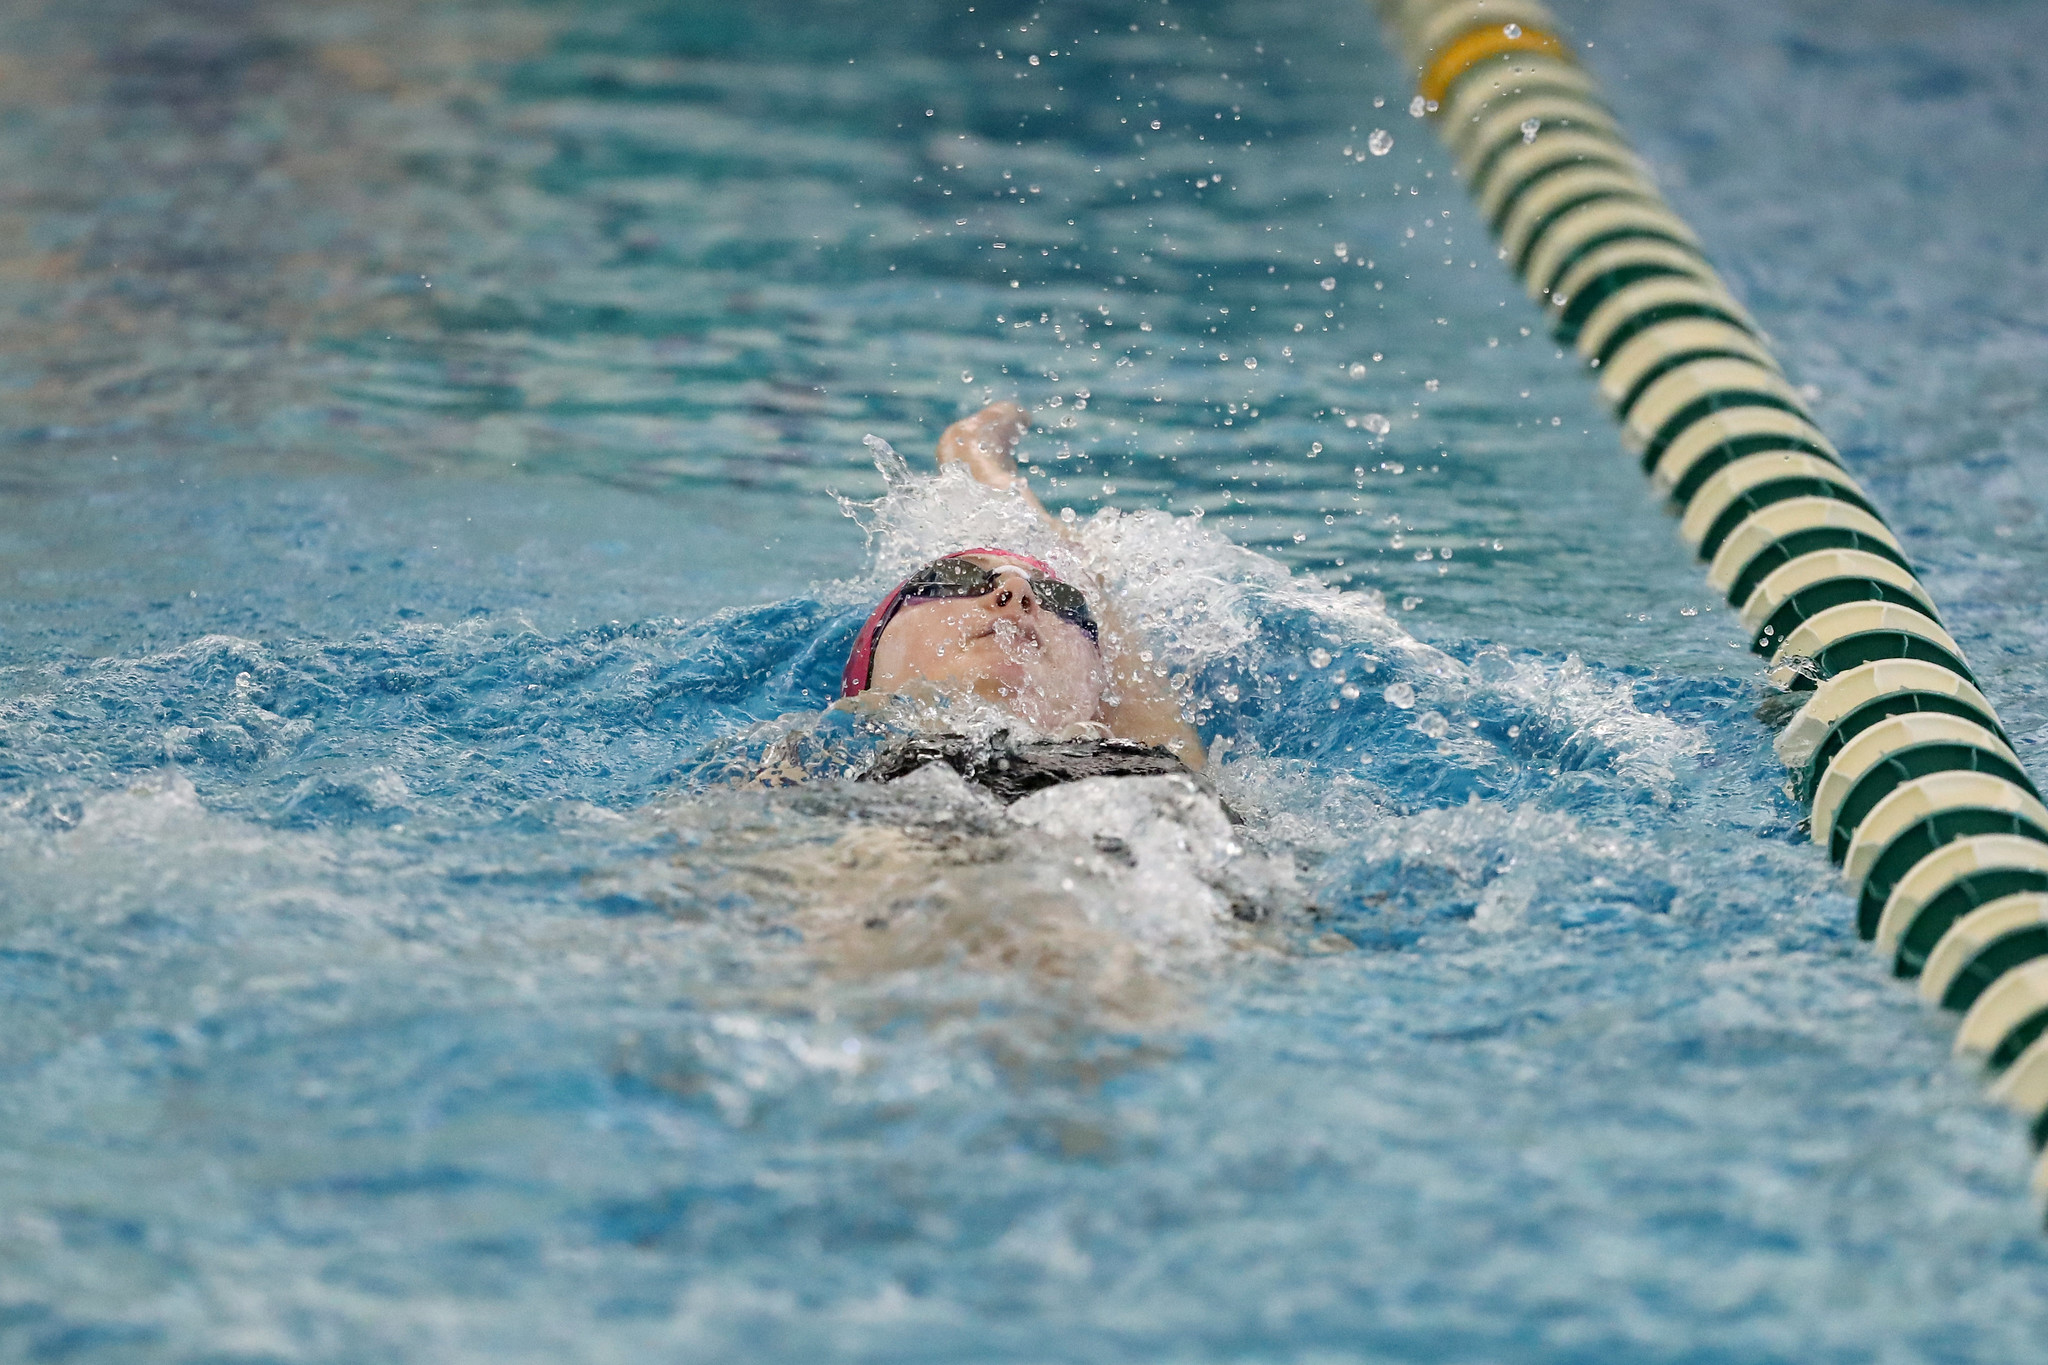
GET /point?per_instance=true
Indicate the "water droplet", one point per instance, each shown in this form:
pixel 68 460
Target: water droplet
pixel 1431 384
pixel 1315 448
pixel 1399 694
pixel 894 468
pixel 1432 724
pixel 1380 143
pixel 1417 107
pixel 1251 363
pixel 1349 691
pixel 1376 423
pixel 1155 125
pixel 1319 658
pixel 1410 603
pixel 1512 30
pixel 1329 281
pixel 1034 56
pixel 1357 369
pixel 967 376
pixel 1530 127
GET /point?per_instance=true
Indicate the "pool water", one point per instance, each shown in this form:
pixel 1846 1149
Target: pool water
pixel 434 464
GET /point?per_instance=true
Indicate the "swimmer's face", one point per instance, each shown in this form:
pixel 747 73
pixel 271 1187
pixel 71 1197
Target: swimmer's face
pixel 1002 647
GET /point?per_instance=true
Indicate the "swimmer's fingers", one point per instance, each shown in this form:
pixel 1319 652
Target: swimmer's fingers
pixel 986 443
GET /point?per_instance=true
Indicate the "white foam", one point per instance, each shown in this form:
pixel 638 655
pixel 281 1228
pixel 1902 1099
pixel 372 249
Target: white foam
pixel 1516 862
pixel 1164 865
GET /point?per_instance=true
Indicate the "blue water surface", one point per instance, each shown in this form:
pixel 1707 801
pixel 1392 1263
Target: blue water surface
pixel 433 464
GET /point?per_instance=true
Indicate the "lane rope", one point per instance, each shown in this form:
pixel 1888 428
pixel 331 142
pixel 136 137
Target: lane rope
pixel 1913 785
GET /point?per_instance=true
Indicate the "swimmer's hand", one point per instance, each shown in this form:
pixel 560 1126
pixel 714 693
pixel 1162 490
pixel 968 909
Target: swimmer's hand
pixel 986 444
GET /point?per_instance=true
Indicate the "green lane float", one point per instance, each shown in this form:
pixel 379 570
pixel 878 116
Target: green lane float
pixel 1656 350
pixel 1914 786
pixel 2009 1016
pixel 1983 947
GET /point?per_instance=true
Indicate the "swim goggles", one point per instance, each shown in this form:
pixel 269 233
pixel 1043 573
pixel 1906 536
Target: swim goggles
pixel 956 576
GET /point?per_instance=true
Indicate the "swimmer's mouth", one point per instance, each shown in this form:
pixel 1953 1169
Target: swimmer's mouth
pixel 1017 634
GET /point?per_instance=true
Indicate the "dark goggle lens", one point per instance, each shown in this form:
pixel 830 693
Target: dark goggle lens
pixel 1065 601
pixel 950 578
pixel 963 578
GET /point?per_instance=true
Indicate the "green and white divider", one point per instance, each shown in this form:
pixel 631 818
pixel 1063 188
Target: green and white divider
pixel 1914 787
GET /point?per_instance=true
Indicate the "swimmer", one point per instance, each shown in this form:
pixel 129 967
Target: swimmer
pixel 1003 628
pixel 1077 851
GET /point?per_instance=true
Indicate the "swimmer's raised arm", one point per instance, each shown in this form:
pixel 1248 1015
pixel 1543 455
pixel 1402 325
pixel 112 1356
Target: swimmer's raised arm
pixel 985 445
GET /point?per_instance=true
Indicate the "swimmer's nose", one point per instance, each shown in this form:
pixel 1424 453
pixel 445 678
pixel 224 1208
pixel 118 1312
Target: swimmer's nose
pixel 1012 597
pixel 1014 601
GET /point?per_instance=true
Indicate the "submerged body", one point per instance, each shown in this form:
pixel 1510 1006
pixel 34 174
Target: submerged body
pixel 1087 900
